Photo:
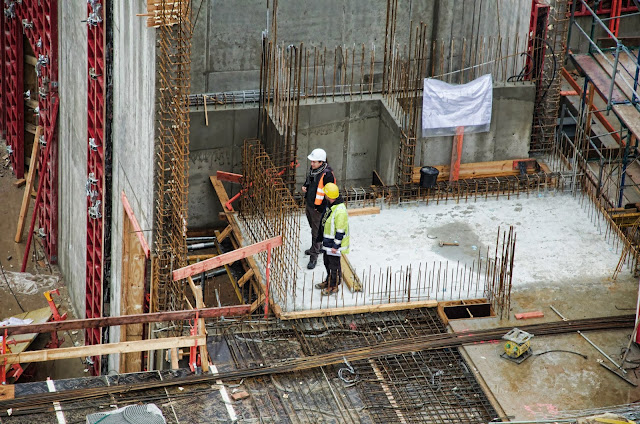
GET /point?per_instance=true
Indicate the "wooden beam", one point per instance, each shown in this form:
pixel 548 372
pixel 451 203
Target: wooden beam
pixel 7 391
pixel 349 276
pixel 79 324
pixel 311 313
pixel 225 233
pixel 102 349
pixel 456 154
pixel 19 183
pixel 194 258
pixel 226 258
pixel 500 168
pixel 371 210
pixel 247 275
pixel 30 60
pixel 136 226
pixel 220 191
pixel 26 197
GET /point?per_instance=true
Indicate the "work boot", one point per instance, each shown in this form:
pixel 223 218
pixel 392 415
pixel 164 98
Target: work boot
pixel 329 291
pixel 322 285
pixel 312 263
pixel 307 252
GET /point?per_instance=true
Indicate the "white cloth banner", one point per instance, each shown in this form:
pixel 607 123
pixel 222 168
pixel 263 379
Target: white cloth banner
pixel 447 106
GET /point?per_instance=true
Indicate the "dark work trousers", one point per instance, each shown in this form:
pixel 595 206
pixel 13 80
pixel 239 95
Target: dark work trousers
pixel 334 270
pixel 315 218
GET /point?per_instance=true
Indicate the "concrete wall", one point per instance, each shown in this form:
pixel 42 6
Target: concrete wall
pixel 133 132
pixel 72 149
pixel 216 147
pixel 228 33
pixel 508 137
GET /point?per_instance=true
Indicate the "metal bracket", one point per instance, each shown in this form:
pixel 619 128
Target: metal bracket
pixel 10 11
pixel 27 95
pixel 36 111
pixel 43 60
pixel 26 24
pixel 93 75
pixel 41 232
pixel 42 141
pixel 93 145
pixel 9 149
pixel 94 211
pixel 95 17
pixel 39 43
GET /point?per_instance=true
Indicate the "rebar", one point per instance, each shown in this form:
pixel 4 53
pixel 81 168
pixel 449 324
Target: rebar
pixel 173 67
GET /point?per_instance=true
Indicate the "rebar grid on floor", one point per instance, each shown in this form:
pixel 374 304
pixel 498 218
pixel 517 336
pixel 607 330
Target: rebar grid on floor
pixel 269 210
pixel 173 68
pixel 434 386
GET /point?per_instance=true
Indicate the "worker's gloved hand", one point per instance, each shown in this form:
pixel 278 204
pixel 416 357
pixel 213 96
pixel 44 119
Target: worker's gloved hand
pixel 320 208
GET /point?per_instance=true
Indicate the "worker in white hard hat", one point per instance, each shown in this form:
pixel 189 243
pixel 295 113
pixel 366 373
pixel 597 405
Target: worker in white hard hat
pixel 320 174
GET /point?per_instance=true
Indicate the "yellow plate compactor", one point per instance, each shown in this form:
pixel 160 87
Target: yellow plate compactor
pixel 517 347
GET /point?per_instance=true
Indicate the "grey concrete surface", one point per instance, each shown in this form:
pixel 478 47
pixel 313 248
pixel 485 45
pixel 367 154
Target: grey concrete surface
pixel 560 381
pixel 133 133
pixel 227 47
pixel 72 153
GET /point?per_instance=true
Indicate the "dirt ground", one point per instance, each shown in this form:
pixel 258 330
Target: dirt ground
pixel 29 288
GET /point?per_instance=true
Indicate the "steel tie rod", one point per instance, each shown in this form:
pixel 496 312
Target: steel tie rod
pixel 590 342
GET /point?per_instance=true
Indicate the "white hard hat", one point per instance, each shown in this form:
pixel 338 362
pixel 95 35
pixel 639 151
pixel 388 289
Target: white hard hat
pixel 318 154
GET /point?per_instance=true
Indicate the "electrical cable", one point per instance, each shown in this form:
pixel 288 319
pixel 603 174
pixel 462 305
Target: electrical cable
pixel 561 350
pixel 6 280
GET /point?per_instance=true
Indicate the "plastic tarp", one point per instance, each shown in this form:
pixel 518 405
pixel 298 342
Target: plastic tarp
pixel 448 106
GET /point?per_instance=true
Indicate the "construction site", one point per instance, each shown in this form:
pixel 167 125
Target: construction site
pixel 159 184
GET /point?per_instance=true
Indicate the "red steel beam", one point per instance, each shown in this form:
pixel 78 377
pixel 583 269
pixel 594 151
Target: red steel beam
pixel 14 85
pixel 79 324
pixel 95 172
pixel 226 258
pixel 456 154
pixel 40 19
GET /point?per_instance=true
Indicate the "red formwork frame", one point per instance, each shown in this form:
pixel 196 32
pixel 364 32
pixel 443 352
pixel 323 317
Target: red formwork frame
pixel 38 19
pixel 95 172
pixel 3 128
pixel 608 8
pixel 13 83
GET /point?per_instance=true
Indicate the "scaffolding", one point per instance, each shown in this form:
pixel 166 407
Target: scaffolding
pixel 173 77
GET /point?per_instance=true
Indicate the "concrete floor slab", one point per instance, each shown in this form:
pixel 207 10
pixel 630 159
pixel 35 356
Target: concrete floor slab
pixel 561 240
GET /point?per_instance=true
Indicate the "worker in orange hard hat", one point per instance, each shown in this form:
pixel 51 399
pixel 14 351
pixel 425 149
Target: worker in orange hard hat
pixel 335 238
pixel 320 174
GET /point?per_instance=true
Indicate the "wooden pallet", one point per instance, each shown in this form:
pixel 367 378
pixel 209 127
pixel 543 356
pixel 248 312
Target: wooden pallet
pixel 502 168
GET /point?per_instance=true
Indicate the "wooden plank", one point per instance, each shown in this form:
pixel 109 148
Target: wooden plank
pixel 225 233
pixel 41 316
pixel 7 392
pixel 227 268
pixel 358 309
pixel 475 170
pixel 30 60
pixel 247 275
pixel 132 293
pixel 220 191
pixel 371 210
pixel 630 116
pixel 102 349
pixel 19 183
pixel 26 197
pixel 30 128
pixel 31 103
pixel 136 226
pixel 226 258
pixel 349 276
pixel 174 358
pixel 195 258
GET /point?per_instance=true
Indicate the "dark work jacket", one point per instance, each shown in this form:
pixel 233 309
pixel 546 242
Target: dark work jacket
pixel 311 183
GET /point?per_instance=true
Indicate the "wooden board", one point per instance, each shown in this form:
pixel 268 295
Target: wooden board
pixel 348 310
pixel 103 349
pixel 503 168
pixel 630 116
pixel 26 198
pixel 39 316
pixel 372 210
pixel 7 392
pixel 132 292
pixel 349 276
